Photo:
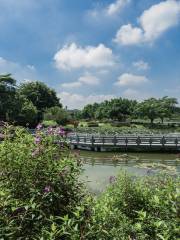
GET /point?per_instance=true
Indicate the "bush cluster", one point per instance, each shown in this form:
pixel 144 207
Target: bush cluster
pixel 38 184
pixel 42 198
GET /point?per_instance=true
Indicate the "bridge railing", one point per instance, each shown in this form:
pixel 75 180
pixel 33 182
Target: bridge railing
pixel 125 140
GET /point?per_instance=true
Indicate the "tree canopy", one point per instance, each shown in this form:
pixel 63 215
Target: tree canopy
pixel 57 114
pixel 122 109
pixel 26 103
pixel 7 95
pixel 31 102
pixel 116 109
pixel 40 95
pixel 153 108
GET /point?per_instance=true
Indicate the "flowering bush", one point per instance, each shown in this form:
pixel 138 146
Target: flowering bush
pixel 41 197
pixel 38 182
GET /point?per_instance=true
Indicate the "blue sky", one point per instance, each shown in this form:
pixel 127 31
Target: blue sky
pixel 90 50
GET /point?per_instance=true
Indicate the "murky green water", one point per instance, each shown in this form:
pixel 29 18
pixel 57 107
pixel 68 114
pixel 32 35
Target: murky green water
pixel 98 167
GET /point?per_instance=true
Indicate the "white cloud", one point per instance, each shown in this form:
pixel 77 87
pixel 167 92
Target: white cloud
pixel 86 79
pixel 73 57
pixel 110 10
pixel 116 7
pixel 135 94
pixel 159 18
pixel 89 79
pixel 71 85
pixel 153 23
pixel 128 79
pixel 141 65
pixel 131 93
pixel 78 101
pixel 19 71
pixel 129 35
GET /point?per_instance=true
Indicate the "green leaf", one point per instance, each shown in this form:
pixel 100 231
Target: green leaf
pixel 53 227
pixel 138 226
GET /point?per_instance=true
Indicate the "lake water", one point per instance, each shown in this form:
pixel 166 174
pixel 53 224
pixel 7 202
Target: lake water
pixel 98 166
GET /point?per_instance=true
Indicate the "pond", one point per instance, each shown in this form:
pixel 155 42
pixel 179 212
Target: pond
pixel 99 167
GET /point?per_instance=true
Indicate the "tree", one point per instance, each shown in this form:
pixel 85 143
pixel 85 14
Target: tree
pixel 149 109
pixel 40 95
pixel 26 112
pixel 120 109
pixel 102 111
pixel 89 110
pixel 7 94
pixel 57 114
pixel 166 107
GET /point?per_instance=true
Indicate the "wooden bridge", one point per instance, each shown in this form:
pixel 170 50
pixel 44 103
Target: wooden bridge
pixel 125 142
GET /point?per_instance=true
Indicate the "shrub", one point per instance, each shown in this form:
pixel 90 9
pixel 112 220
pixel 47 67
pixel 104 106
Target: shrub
pixel 39 185
pixel 50 123
pixel 144 208
pixel 41 197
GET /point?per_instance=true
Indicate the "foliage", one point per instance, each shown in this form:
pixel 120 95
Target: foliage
pixel 26 112
pixel 107 129
pixel 40 95
pixel 38 184
pixel 42 198
pixel 156 108
pixel 123 109
pixel 49 123
pixel 89 111
pixel 166 107
pixel 57 114
pixel 138 209
pixel 148 108
pixel 26 103
pixel 7 95
pixel 119 109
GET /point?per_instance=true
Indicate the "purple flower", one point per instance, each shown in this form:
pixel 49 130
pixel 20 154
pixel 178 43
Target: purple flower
pixel 112 179
pixel 37 140
pixel 60 131
pixel 50 131
pixel 47 189
pixel 39 126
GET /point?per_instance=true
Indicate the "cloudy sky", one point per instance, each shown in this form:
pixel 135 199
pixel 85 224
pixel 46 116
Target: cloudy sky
pixel 92 50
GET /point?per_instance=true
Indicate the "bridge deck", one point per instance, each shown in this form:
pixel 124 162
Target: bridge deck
pixel 101 143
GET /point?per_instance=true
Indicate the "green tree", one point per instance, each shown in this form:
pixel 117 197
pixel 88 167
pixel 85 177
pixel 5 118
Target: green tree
pixel 148 108
pixel 40 95
pixel 166 107
pixel 89 111
pixel 7 94
pixel 120 109
pixel 102 112
pixel 26 112
pixel 57 114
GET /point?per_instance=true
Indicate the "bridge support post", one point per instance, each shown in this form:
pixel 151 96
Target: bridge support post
pixel 97 149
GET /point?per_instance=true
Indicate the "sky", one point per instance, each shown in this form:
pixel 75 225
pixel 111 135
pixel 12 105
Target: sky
pixel 92 50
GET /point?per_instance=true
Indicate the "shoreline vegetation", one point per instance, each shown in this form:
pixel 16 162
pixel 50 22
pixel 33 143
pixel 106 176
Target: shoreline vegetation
pixel 41 196
pixel 29 103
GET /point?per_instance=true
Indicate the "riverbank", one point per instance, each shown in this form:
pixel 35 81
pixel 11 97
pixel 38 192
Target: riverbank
pixel 42 196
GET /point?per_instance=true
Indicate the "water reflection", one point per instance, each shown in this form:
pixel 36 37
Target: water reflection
pixel 98 167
